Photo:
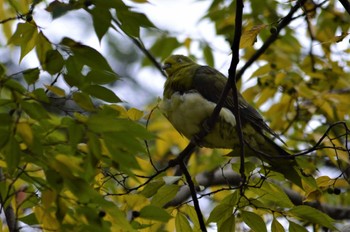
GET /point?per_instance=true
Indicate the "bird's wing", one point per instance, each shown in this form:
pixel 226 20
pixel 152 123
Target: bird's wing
pixel 210 83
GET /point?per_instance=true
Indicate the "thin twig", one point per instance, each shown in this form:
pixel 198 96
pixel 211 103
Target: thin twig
pixel 141 46
pixel 283 23
pixel 194 196
pixel 346 5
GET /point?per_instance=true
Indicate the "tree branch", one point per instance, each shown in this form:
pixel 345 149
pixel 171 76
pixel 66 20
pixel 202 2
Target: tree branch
pixel 283 23
pixel 141 46
pixel 346 5
pixel 231 83
pixel 217 178
pixel 194 196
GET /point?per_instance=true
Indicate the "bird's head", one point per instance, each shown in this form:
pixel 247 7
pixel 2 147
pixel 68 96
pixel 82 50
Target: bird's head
pixel 174 63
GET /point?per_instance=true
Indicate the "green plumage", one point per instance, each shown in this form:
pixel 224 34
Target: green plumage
pixel 191 92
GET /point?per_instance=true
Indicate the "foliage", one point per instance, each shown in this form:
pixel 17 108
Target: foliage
pixel 74 158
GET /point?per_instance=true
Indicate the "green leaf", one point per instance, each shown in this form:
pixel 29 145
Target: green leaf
pixel 40 95
pixel 164 46
pixel 276 226
pixel 220 212
pixel 101 18
pixel 272 194
pixel 208 55
pixel 181 223
pixel 102 93
pixel 4 136
pixel 25 36
pixel 152 188
pixel 101 77
pixel 132 21
pixel 254 221
pixel 228 225
pixel 57 8
pixel 154 213
pixel 84 101
pixel 86 55
pixel 294 227
pixel 120 152
pixel 35 110
pixel 42 47
pixel 31 75
pixel 53 62
pixel 14 85
pixel 12 154
pixel 73 77
pixel 94 145
pixel 165 194
pixel 29 219
pixel 312 215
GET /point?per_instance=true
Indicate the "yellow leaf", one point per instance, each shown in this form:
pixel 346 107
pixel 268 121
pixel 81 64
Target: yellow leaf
pixel 56 90
pixel 249 37
pixel 73 163
pixel 135 114
pixel 324 181
pixel 46 218
pixel 187 43
pixel 25 131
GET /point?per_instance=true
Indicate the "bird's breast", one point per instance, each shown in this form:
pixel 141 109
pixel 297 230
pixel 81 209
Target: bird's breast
pixel 187 112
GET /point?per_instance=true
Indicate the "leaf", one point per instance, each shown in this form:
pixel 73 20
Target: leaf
pixel 249 37
pixel 25 36
pixel 101 18
pixel 56 90
pixel 135 114
pixel 40 95
pixel 87 55
pixel 14 85
pixel 53 62
pixel 73 77
pixel 25 131
pixel 29 219
pixel 57 8
pixel 132 21
pixel 35 110
pixel 12 154
pixel 293 227
pixel 31 75
pixel 164 46
pixel 121 152
pixel 228 225
pixel 102 93
pixel 312 215
pixel 42 47
pixel 4 136
pixel 154 213
pixel 254 221
pixel 181 223
pixel 164 195
pixel 272 194
pixel 152 188
pixel 276 226
pixel 220 212
pixel 101 77
pixel 208 55
pixel 84 101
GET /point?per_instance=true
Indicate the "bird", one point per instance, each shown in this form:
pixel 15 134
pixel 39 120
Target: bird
pixel 191 92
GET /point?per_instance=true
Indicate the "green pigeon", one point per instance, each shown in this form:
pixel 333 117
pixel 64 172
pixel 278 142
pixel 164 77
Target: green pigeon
pixel 190 95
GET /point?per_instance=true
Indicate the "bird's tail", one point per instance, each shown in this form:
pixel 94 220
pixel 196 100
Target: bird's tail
pixel 279 159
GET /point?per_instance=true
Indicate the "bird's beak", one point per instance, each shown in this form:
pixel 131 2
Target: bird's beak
pixel 166 66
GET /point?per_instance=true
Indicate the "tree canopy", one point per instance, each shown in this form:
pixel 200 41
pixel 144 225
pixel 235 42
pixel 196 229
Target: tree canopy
pixel 75 157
